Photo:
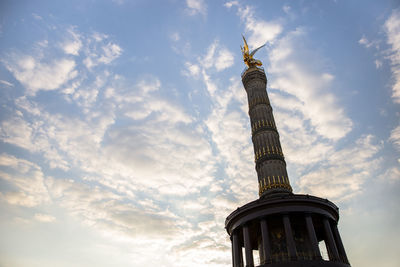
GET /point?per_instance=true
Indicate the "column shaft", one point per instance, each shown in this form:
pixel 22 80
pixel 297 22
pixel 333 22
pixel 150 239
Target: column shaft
pixel 313 237
pixel 247 247
pixel 332 249
pixel 291 247
pixel 233 252
pixel 265 241
pixel 339 244
pixel 237 250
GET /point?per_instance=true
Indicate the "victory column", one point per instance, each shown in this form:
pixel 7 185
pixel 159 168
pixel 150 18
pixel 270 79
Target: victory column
pixel 285 229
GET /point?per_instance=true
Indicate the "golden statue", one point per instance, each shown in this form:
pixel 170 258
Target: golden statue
pixel 248 57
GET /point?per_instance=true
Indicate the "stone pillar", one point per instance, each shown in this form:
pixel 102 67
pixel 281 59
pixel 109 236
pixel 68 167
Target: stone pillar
pixel 339 244
pixel 265 241
pixel 237 250
pixel 332 249
pixel 313 237
pixel 247 247
pixel 291 247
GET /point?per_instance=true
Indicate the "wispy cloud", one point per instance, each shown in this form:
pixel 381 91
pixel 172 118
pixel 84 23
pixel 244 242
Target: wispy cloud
pixel 26 182
pixel 295 75
pixel 229 127
pixel 46 218
pixel 260 31
pixel 6 83
pixel 44 69
pixel 36 16
pixel 73 42
pixel 344 171
pixel 37 73
pixel 367 43
pixel 395 138
pixel 217 56
pixel 196 7
pixel 392 29
pixel 101 52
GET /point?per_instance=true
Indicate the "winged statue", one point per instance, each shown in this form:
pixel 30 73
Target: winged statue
pixel 248 56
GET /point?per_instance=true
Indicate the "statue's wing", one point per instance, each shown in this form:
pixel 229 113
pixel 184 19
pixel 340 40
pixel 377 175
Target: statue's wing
pixel 246 47
pixel 255 50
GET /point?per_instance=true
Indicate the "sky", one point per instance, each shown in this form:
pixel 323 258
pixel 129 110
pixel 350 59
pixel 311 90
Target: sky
pixel 125 138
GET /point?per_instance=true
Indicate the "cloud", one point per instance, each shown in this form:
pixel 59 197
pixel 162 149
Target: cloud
pixel 297 138
pixel 111 52
pixel 191 70
pixel 196 7
pixel 344 171
pixel 36 16
pixel 175 36
pixel 391 175
pixel 229 128
pixel 25 182
pixel 46 218
pixel 73 44
pixel 286 9
pixel 37 73
pixel 230 4
pixel 43 68
pixel 365 42
pixel 217 56
pixel 101 53
pixel 293 74
pixel 178 144
pixel 115 213
pixel 93 145
pixel 395 138
pixel 392 29
pixel 378 63
pixel 261 31
pixel 6 83
pixel 16 131
pixel 224 59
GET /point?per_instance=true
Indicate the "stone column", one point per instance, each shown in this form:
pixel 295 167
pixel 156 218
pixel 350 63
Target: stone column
pixel 339 244
pixel 233 252
pixel 237 250
pixel 247 247
pixel 291 247
pixel 332 249
pixel 313 237
pixel 265 241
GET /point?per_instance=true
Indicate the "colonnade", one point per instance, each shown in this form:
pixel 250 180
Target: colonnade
pixel 302 245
